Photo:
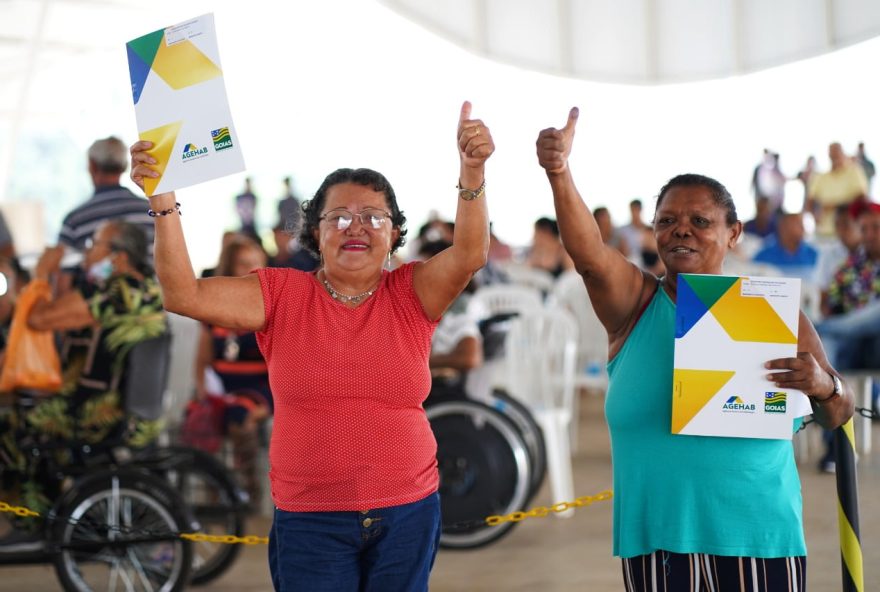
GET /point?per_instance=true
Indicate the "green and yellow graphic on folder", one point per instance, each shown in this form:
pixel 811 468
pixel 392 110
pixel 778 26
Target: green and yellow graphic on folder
pixel 181 106
pixel 726 328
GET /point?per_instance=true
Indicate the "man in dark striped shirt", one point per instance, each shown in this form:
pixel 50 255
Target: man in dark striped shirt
pixel 108 159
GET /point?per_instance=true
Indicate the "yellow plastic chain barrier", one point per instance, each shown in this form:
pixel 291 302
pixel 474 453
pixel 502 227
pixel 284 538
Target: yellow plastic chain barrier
pixel 18 510
pixel 228 539
pixel 543 511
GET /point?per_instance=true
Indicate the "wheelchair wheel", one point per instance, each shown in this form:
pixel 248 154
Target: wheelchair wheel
pixel 484 471
pixel 119 530
pixel 211 493
pixel 531 432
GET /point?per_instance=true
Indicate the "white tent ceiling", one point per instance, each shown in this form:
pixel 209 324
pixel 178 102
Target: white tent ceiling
pixel 647 41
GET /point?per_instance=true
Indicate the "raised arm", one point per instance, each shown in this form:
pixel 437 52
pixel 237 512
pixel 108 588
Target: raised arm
pixel 236 303
pixel 441 279
pixel 616 286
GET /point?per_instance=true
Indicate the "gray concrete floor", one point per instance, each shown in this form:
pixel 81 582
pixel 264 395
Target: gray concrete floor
pixel 552 554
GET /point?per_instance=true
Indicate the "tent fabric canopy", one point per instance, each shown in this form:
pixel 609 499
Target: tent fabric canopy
pixel 646 41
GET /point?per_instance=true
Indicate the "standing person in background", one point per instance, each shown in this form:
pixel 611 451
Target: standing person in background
pixel 632 232
pixel 867 165
pixel 107 160
pixel 769 182
pixel 246 208
pixel 672 496
pixel 842 185
pixel 805 176
pixel 289 212
pixel 764 222
pixel 353 459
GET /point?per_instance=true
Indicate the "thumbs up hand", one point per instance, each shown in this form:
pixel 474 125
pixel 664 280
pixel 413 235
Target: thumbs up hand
pixel 554 145
pixel 475 144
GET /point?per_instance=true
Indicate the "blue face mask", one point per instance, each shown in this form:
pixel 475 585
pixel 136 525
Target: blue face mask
pixel 100 271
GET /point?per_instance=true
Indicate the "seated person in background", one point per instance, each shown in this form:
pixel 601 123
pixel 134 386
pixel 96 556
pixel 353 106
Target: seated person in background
pixel 547 252
pixel 764 222
pixel 648 257
pixel 851 333
pixel 788 251
pixel 119 307
pixel 610 235
pixel 290 253
pixel 236 359
pixel 849 241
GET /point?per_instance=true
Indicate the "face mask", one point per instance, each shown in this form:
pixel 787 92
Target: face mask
pixel 100 271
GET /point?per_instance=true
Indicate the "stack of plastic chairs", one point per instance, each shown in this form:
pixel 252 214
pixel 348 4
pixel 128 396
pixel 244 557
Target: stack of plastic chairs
pixel 492 301
pixel 541 367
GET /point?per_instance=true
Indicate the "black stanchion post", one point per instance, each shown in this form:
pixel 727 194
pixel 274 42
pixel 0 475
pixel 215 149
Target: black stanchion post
pixel 848 509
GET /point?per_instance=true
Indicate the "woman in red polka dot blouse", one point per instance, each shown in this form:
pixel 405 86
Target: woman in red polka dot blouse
pixel 353 467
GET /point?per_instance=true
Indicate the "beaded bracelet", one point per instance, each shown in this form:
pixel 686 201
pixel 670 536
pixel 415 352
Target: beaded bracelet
pixel 176 208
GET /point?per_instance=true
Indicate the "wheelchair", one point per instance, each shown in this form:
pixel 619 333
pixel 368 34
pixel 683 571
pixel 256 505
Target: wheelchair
pixel 118 513
pixel 490 453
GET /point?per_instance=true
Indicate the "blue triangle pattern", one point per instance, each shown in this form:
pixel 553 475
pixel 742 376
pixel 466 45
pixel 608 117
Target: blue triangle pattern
pixel 688 308
pixel 138 70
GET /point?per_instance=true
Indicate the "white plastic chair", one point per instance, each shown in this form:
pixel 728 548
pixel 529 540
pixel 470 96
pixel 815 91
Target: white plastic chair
pixel 497 299
pixel 524 275
pixel 488 301
pixel 541 359
pixel 570 294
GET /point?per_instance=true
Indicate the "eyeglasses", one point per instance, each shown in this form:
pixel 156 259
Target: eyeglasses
pixel 341 218
pixel 92 243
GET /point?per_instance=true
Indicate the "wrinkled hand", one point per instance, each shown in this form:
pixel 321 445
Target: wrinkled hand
pixel 140 161
pixel 49 262
pixel 475 144
pixel 802 373
pixel 554 145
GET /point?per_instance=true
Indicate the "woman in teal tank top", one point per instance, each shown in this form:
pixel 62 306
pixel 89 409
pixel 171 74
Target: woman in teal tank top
pixel 693 512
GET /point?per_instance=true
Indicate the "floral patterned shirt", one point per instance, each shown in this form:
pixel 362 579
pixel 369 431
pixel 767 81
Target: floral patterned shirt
pixel 856 283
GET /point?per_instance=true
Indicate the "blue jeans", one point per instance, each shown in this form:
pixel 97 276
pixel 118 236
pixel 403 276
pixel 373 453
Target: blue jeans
pixel 851 340
pixel 388 550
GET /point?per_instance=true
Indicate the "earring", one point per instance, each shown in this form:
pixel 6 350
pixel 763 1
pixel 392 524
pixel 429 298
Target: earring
pixel 321 256
pixel 388 262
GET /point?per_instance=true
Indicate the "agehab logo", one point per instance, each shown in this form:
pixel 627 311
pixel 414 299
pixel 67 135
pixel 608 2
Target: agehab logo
pixel 192 152
pixel 736 405
pixel 774 402
pixel 222 139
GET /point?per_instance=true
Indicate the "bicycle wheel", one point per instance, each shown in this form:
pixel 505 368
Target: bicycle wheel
pixel 531 432
pixel 211 493
pixel 484 471
pixel 118 530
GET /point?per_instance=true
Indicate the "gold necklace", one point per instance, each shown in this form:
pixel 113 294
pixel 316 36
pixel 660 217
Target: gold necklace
pixel 337 295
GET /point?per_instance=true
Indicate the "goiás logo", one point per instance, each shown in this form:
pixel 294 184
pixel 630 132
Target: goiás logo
pixel 222 139
pixel 737 405
pixel 774 402
pixel 192 152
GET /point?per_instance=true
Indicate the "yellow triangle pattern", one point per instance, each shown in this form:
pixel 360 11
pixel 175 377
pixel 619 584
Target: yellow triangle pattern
pixel 750 318
pixel 163 139
pixel 692 389
pixel 183 64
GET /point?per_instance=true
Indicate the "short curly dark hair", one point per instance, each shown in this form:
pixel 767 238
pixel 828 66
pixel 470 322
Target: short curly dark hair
pixel 720 195
pixel 366 177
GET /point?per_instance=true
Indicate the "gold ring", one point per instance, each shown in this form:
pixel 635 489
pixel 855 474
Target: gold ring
pixel 477 129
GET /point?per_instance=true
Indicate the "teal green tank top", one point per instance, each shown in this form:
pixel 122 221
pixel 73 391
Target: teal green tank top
pixel 690 494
